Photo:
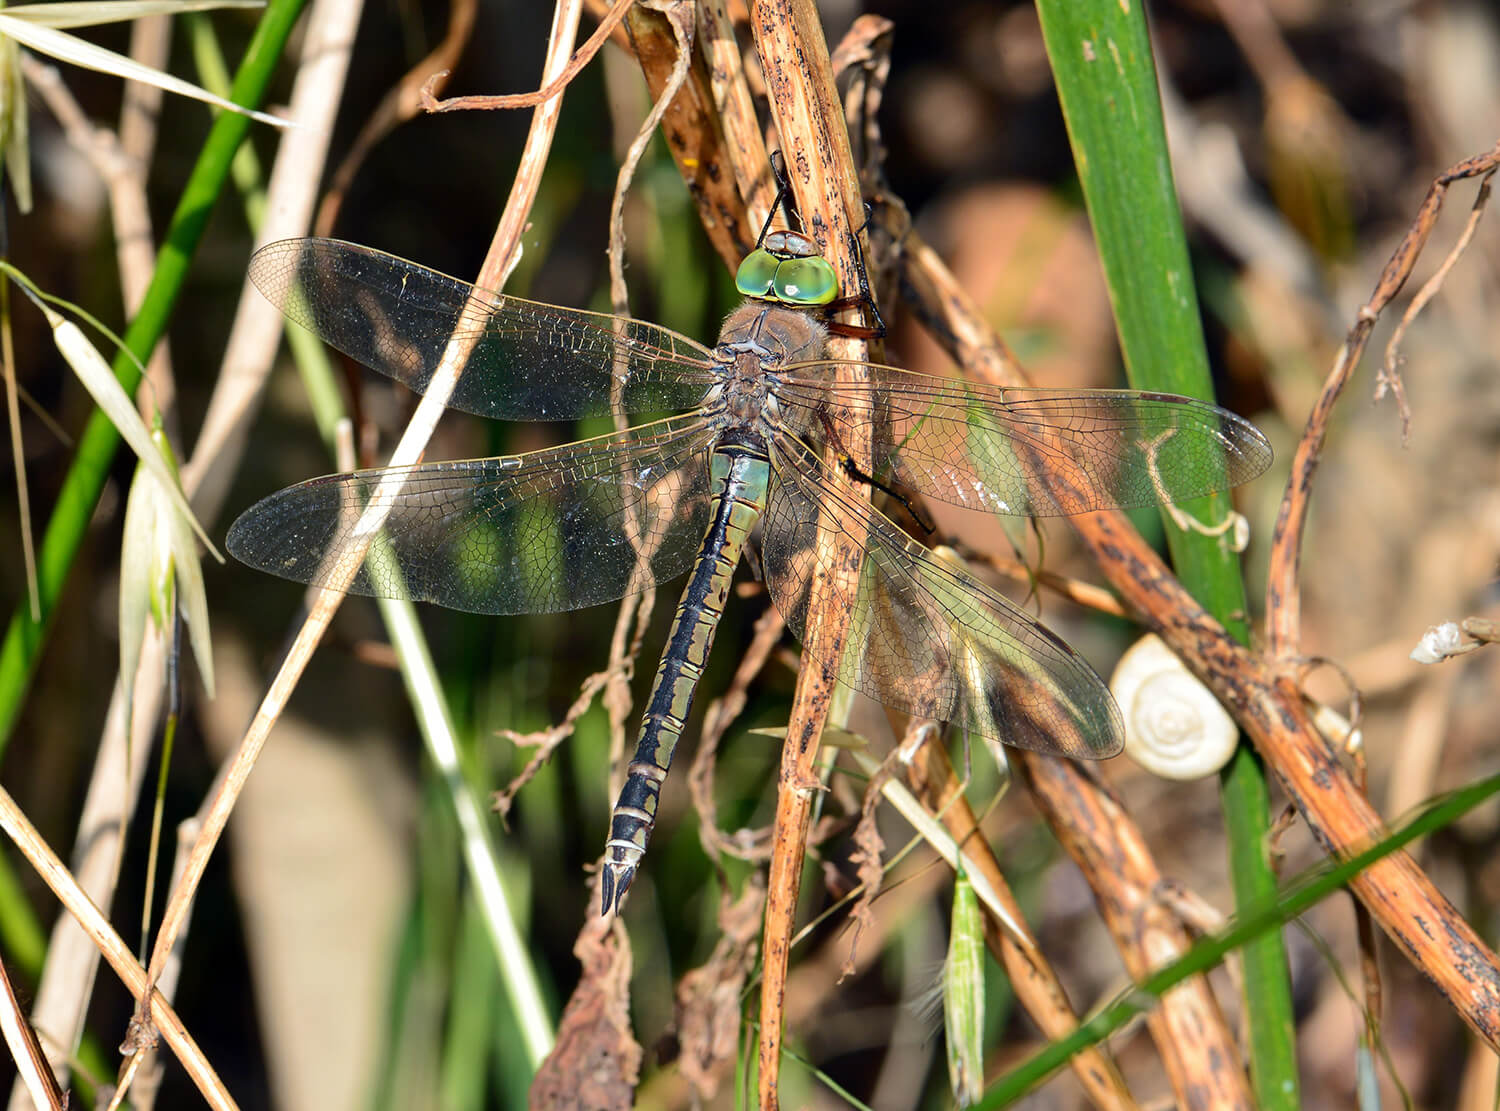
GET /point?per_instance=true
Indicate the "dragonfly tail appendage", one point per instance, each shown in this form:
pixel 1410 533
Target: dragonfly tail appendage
pixel 615 882
pixel 630 826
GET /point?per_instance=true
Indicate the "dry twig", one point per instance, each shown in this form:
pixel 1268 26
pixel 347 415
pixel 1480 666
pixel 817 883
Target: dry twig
pixel 1188 1028
pixel 113 949
pixel 498 262
pixel 1283 593
pixel 400 104
pixel 809 122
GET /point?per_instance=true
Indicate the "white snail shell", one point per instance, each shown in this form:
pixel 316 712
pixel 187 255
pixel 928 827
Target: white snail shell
pixel 1174 726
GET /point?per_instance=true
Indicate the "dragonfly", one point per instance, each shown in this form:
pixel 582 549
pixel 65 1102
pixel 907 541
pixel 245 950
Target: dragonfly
pixel 767 432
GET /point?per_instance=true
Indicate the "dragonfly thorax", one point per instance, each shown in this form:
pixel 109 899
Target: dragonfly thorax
pixel 756 341
pixel 775 336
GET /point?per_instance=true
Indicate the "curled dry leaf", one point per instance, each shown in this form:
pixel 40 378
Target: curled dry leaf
pixel 596 1061
pixel 709 998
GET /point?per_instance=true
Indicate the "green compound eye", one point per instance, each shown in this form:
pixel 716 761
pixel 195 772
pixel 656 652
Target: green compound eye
pixel 756 276
pixel 805 281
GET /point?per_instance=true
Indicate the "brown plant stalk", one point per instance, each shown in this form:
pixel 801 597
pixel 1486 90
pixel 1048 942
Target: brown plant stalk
pixel 1268 706
pixel 814 141
pixel 498 263
pixel 1033 979
pixel 1188 1028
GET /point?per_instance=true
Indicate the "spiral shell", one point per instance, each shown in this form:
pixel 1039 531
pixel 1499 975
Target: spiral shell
pixel 1174 726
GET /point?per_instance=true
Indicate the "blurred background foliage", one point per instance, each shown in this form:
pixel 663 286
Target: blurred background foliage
pixel 334 960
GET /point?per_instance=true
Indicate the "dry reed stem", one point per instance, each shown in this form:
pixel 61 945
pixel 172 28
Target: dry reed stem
pixel 949 314
pixel 80 906
pixel 1195 1042
pixel 694 130
pixel 1077 591
pixel 64 992
pixel 553 81
pixel 60 1006
pixel 130 213
pixel 140 102
pixel 748 157
pixel 1283 594
pixel 820 166
pixel 33 1073
pixel 498 262
pixel 1188 1028
pixel 148 1082
pixel 1033 979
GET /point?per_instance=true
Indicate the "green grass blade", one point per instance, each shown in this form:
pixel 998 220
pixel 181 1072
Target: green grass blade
pixel 96 447
pixel 1296 898
pixel 512 953
pixel 1106 80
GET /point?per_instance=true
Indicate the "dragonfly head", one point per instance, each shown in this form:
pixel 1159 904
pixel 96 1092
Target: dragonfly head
pixel 787 268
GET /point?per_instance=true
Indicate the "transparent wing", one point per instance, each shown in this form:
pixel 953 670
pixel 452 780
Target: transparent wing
pixel 1009 450
pixel 549 530
pixel 923 636
pixel 530 361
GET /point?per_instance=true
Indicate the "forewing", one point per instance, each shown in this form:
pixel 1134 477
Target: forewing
pixel 529 361
pixel 923 636
pixel 550 530
pixel 1041 453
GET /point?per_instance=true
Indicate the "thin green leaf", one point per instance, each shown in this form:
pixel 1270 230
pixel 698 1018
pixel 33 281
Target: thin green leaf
pixel 70 48
pixel 963 994
pixel 110 396
pixel 1295 898
pixel 14 125
pixel 93 13
pixel 1100 52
